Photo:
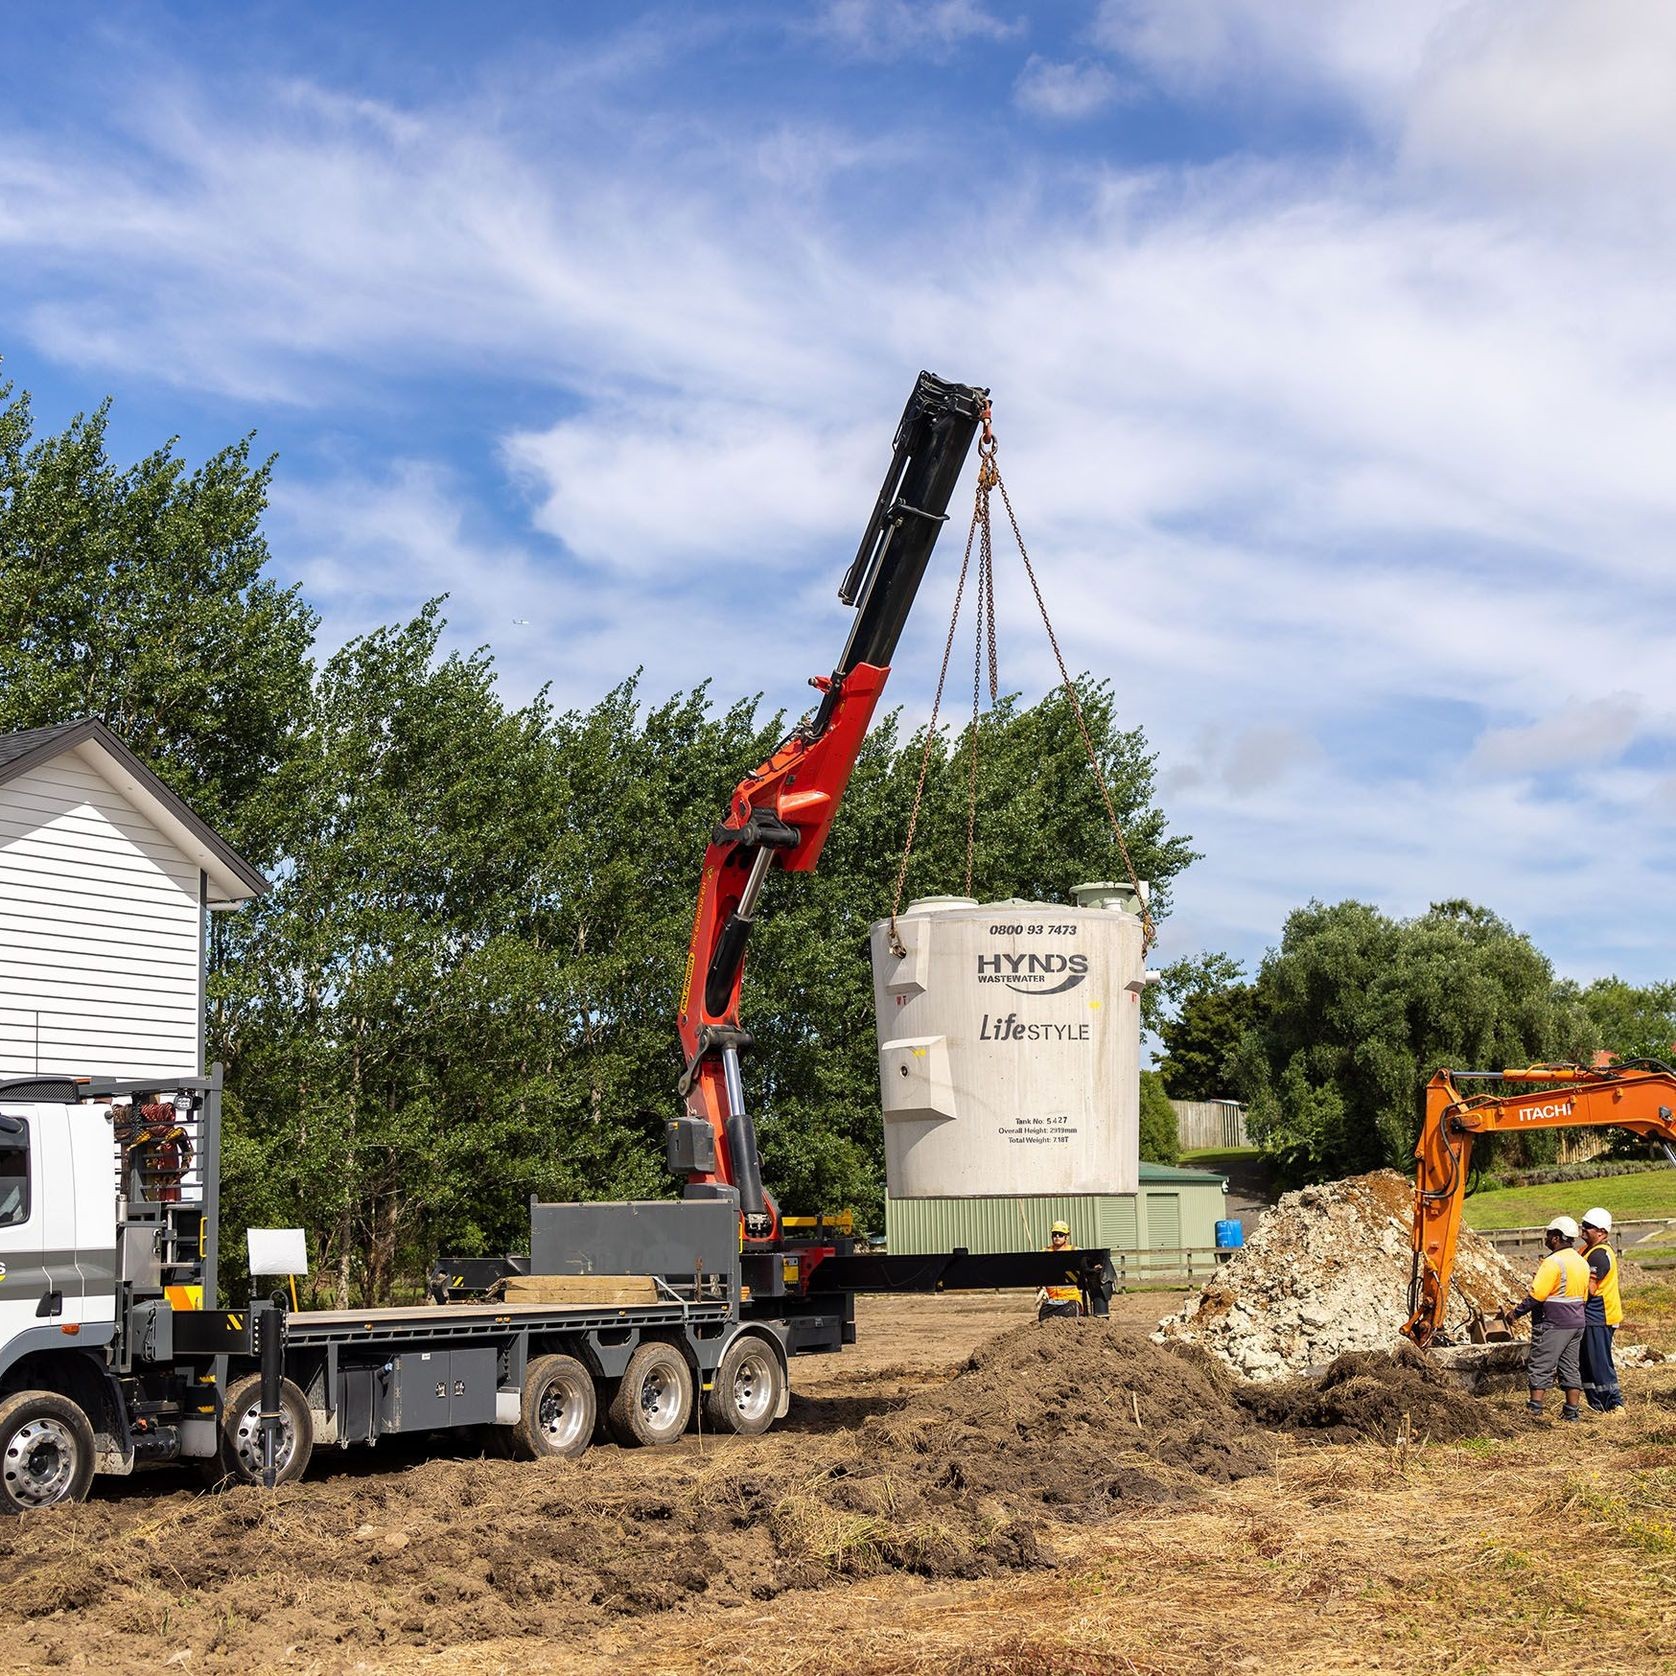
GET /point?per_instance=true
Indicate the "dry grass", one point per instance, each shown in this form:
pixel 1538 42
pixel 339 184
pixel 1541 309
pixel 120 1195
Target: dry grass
pixel 1553 1552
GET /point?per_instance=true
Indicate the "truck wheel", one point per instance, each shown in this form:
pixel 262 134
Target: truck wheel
pixel 560 1404
pixel 46 1452
pixel 654 1397
pixel 240 1455
pixel 744 1397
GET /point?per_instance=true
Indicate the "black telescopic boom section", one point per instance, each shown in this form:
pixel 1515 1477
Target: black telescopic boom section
pixel 930 451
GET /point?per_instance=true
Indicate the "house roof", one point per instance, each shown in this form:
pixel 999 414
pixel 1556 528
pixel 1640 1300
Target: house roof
pixel 231 878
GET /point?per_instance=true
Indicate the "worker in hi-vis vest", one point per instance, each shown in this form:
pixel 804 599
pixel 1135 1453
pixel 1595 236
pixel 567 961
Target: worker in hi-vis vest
pixel 1065 1298
pixel 1601 1315
pixel 1555 1305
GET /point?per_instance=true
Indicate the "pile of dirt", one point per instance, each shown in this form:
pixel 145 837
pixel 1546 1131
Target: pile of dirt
pixel 1074 1417
pixel 1325 1274
pixel 1381 1395
pixel 1074 1422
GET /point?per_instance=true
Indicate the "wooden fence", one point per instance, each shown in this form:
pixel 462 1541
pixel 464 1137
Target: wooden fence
pixel 1189 1265
pixel 1202 1125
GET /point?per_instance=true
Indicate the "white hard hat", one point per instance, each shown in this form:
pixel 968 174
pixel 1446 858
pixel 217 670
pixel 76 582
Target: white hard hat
pixel 1598 1218
pixel 1563 1225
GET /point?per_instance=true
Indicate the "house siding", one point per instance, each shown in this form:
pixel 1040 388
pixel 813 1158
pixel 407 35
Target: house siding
pixel 101 931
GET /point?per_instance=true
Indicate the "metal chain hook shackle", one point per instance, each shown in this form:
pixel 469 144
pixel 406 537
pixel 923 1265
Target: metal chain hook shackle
pixel 989 479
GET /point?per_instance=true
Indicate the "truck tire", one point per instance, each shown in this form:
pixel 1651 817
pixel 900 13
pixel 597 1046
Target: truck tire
pixel 654 1399
pixel 46 1452
pixel 560 1405
pixel 239 1458
pixel 744 1397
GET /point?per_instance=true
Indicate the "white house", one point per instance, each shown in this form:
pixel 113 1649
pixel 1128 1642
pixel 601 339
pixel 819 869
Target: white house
pixel 106 882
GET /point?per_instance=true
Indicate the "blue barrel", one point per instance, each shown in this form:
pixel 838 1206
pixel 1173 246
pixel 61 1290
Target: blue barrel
pixel 1230 1235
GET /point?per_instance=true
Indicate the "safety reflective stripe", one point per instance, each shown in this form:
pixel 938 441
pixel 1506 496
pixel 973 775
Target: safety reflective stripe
pixel 1562 1288
pixel 1063 1294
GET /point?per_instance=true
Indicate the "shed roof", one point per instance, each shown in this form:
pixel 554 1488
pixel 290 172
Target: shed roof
pixel 231 878
pixel 1159 1175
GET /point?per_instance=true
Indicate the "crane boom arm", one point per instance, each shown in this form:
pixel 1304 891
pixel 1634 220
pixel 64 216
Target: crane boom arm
pixel 782 811
pixel 1638 1098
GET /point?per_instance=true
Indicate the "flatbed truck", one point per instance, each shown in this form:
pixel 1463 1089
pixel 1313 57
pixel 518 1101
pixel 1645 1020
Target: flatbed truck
pixel 114 1353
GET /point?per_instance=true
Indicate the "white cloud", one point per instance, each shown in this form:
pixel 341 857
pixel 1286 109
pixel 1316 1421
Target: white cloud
pixel 651 487
pixel 1331 471
pixel 1580 735
pixel 1365 51
pixel 895 28
pixel 1065 92
pixel 1552 98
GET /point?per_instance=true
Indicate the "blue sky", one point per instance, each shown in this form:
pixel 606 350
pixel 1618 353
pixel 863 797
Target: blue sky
pixel 1333 357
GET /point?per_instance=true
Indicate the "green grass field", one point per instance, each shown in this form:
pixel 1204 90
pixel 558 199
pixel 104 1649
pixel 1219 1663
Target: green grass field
pixel 1222 1158
pixel 1647 1196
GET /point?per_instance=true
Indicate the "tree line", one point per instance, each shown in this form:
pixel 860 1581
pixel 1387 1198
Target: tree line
pixel 461 990
pixel 1333 1039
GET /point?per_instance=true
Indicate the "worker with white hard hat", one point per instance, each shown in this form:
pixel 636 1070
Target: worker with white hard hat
pixel 1601 1315
pixel 1555 1304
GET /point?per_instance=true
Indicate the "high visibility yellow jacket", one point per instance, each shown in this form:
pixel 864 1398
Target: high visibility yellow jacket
pixel 1562 1288
pixel 1068 1294
pixel 1611 1301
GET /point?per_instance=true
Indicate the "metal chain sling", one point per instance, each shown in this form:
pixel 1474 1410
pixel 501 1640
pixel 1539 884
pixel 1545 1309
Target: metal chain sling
pixel 989 480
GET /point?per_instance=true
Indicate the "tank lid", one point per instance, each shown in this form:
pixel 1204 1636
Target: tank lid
pixel 940 904
pixel 1118 895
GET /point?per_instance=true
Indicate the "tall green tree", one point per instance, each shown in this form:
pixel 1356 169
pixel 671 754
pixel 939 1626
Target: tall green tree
pixel 1160 1138
pixel 137 594
pixel 1634 1021
pixel 1212 1008
pixel 1355 1010
pixel 405 1017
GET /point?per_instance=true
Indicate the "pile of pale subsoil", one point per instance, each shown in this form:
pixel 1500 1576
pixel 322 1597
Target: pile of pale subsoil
pixel 1325 1274
pixel 1074 1421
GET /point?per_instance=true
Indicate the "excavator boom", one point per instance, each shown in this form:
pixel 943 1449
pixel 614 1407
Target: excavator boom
pixel 1638 1097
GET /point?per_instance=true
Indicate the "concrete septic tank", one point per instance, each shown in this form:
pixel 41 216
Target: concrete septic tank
pixel 1009 1045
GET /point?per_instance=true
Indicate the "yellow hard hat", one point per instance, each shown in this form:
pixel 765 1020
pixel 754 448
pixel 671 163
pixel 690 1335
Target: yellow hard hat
pixel 1062 1228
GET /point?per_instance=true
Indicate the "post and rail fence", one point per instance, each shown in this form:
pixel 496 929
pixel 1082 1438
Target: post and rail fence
pixel 1629 1239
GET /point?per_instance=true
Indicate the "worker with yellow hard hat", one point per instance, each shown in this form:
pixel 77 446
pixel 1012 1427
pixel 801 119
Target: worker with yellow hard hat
pixel 1602 1312
pixel 1063 1300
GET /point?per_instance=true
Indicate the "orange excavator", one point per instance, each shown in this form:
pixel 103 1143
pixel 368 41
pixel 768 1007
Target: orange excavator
pixel 1639 1096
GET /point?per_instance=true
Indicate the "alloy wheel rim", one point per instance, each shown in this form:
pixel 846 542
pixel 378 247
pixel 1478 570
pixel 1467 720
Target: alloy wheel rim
pixel 750 1388
pixel 560 1414
pixel 40 1462
pixel 248 1442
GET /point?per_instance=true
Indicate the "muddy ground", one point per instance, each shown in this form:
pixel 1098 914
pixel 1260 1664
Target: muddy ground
pixel 958 1442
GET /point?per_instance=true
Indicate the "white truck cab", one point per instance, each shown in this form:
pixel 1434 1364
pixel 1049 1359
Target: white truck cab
pixel 104 1232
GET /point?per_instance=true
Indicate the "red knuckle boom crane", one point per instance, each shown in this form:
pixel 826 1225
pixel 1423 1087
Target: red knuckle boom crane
pixel 782 811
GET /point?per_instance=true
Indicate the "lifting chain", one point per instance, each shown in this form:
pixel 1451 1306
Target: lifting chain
pixel 989 480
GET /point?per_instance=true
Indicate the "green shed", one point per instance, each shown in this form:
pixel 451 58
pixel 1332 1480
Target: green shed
pixel 1175 1209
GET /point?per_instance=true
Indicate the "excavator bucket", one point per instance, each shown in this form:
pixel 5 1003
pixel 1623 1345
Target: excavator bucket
pixel 1488 1329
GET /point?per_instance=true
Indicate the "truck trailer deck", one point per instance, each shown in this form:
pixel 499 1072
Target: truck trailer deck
pixel 114 1351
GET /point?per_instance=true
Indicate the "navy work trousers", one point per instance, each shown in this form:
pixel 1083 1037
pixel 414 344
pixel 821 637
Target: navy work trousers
pixel 1600 1377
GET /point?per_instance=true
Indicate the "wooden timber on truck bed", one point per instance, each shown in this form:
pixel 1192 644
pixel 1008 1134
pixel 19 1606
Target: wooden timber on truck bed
pixel 447 1321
